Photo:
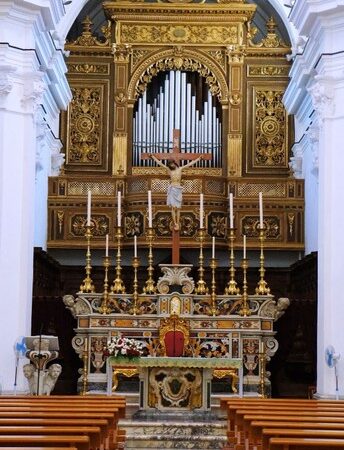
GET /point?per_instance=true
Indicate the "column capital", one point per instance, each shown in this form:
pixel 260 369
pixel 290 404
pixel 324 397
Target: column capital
pixel 322 92
pixel 34 88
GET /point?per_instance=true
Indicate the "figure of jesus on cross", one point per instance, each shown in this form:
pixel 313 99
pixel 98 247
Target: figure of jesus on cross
pixel 174 192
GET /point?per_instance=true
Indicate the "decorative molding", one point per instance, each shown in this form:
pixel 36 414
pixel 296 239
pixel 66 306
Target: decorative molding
pixel 121 52
pixel 34 88
pixel 322 92
pixel 6 81
pixel 313 138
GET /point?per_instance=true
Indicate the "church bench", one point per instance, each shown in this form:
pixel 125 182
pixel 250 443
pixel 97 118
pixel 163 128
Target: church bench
pixel 269 433
pixel 304 443
pixel 253 429
pixel 94 433
pixel 101 423
pixel 39 448
pixel 27 441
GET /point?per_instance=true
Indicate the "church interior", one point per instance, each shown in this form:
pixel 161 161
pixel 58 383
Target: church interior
pixel 170 210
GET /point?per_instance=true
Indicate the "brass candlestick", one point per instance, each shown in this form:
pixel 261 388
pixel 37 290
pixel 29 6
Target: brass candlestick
pixel 244 310
pixel 118 285
pixel 262 372
pixel 232 288
pixel 150 287
pixel 262 286
pixel 201 288
pixel 85 369
pixel 213 265
pixel 87 284
pixel 104 308
pixel 136 265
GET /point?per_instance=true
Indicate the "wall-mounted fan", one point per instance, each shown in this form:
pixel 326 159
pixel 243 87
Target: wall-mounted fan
pixel 331 358
pixel 19 351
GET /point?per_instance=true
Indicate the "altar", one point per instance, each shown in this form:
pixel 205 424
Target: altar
pixel 168 383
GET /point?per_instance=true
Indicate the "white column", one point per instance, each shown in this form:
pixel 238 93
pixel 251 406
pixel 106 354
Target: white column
pixel 316 97
pixel 32 73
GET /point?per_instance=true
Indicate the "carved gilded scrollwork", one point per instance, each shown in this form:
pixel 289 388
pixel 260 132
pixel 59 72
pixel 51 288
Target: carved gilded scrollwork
pixel 88 40
pixel 99 69
pixel 270 129
pixel 175 276
pixel 174 34
pixel 268 70
pixel 250 227
pixel 272 40
pixel 179 58
pixel 121 52
pixel 85 126
pixel 236 54
pixel 99 225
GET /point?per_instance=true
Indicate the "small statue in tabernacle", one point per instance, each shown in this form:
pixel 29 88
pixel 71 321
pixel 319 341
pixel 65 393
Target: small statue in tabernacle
pixel 175 190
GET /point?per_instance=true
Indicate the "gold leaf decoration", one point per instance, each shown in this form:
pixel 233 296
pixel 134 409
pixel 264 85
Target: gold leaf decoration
pixel 99 225
pixel 250 227
pixel 186 34
pixel 85 126
pixel 87 39
pixel 270 129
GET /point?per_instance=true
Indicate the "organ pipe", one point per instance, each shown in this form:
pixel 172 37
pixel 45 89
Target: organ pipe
pixel 177 100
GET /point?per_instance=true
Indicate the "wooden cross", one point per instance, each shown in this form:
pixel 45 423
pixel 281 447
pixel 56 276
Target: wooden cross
pixel 176 155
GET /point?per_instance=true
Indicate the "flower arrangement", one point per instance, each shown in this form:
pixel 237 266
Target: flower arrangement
pixel 119 346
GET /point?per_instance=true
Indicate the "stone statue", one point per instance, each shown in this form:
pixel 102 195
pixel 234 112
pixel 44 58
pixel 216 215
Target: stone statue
pixel 50 378
pixel 174 192
pixel 30 374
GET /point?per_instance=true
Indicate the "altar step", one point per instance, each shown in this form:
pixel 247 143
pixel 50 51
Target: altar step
pixel 188 434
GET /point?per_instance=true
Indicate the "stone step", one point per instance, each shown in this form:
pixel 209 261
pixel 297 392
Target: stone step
pixel 158 441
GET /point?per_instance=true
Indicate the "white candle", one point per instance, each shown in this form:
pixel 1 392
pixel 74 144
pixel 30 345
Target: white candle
pixel 244 249
pixel 119 215
pixel 201 211
pixel 260 210
pixel 231 217
pixel 261 347
pixel 213 248
pixel 150 223
pixel 107 245
pixel 135 246
pixel 88 208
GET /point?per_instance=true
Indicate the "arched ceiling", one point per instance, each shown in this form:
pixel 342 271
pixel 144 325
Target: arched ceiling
pixel 265 9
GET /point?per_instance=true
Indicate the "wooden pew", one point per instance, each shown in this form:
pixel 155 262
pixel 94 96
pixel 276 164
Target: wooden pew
pixel 300 433
pixel 27 441
pixel 255 428
pixel 303 444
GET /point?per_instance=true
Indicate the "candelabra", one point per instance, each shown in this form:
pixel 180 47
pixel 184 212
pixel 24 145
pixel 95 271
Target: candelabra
pixel 262 373
pixel 232 288
pixel 87 284
pixel 118 285
pixel 136 265
pixel 244 310
pixel 85 369
pixel 150 287
pixel 213 265
pixel 201 288
pixel 262 286
pixel 104 307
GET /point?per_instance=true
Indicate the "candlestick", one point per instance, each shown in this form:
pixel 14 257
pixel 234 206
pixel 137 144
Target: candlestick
pixel 107 245
pixel 150 209
pixel 262 372
pixel 119 215
pixel 136 264
pixel 245 309
pixel 118 285
pixel 84 369
pixel 88 208
pixel 135 246
pixel 87 284
pixel 213 265
pixel 150 287
pixel 260 210
pixel 201 288
pixel 201 212
pixel 213 247
pixel 262 286
pixel 244 247
pixel 231 217
pixel 104 308
pixel 231 288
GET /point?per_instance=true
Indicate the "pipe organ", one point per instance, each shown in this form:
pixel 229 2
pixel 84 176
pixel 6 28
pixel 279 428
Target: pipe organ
pixel 177 100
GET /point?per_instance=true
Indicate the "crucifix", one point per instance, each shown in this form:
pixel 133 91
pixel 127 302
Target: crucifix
pixel 174 193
